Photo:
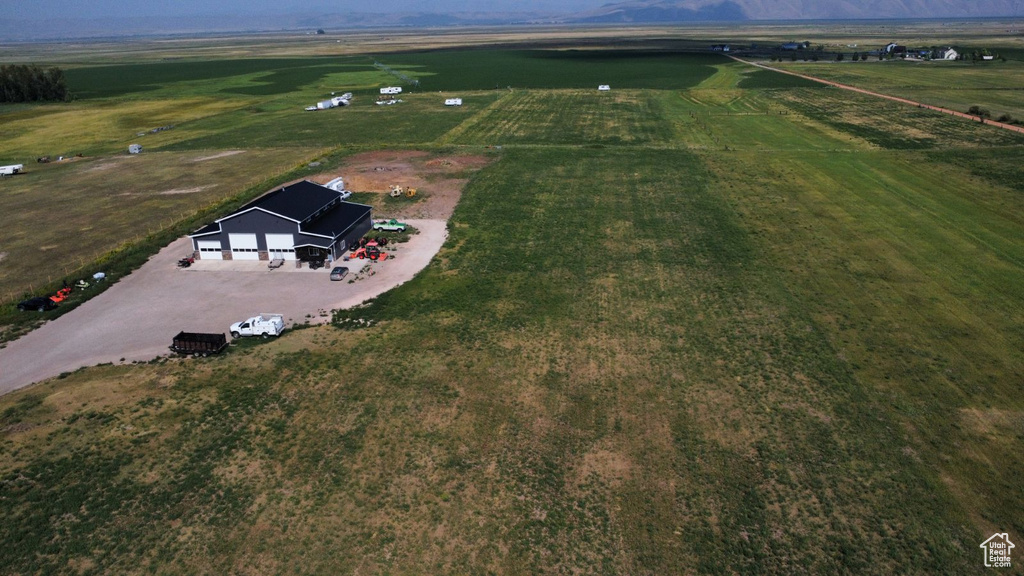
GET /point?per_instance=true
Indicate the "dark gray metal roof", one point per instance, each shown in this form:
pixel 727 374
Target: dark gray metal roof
pixel 337 220
pixel 208 229
pixel 297 202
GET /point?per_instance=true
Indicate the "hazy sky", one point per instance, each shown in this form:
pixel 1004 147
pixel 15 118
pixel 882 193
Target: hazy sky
pixel 36 9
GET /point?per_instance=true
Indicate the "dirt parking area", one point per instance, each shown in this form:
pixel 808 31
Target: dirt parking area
pixel 438 179
pixel 136 318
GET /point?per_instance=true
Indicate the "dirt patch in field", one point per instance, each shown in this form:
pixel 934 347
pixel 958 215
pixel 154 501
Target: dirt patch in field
pixel 2 256
pixel 108 164
pixel 171 192
pixel 610 466
pixel 192 190
pixel 219 155
pixel 438 179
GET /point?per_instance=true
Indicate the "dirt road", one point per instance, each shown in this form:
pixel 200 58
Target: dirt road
pixel 136 318
pixel 886 96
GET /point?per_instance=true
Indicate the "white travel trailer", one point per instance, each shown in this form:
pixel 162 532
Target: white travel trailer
pixel 453 102
pixel 338 185
pixel 604 87
pixel 11 170
pixel 391 90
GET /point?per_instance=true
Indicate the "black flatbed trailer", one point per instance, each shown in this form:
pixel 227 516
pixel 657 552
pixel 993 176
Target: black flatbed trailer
pixel 198 343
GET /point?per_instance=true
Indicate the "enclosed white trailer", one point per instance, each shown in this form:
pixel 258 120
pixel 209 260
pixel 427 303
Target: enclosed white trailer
pixel 11 169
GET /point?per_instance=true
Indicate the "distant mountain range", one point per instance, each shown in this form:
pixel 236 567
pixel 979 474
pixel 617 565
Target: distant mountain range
pixel 737 10
pixel 642 11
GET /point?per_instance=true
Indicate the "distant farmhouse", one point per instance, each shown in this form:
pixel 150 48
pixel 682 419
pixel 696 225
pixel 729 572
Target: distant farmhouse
pixel 796 46
pixel 721 48
pixel 895 49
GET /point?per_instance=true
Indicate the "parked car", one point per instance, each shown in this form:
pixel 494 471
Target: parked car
pixel 389 225
pixel 38 303
pixel 339 273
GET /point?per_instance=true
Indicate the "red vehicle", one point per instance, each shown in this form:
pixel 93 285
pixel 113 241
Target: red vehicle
pixel 61 294
pixel 369 251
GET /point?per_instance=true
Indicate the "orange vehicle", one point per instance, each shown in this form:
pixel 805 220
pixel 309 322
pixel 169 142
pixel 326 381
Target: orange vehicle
pixel 370 251
pixel 61 294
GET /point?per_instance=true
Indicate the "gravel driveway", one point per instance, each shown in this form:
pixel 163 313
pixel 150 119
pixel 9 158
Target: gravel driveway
pixel 136 318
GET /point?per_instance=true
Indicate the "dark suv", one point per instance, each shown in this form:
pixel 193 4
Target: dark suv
pixel 40 303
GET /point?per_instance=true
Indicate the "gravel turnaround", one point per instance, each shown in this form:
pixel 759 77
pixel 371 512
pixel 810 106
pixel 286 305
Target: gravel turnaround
pixel 136 318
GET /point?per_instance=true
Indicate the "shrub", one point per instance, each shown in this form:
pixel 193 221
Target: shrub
pixel 979 112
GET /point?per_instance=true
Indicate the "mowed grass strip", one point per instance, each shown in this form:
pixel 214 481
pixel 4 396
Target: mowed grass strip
pixel 567 117
pixel 61 216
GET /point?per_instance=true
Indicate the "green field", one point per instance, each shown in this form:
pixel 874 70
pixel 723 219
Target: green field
pixel 248 77
pixel 993 85
pixel 567 117
pixel 718 321
pixel 551 69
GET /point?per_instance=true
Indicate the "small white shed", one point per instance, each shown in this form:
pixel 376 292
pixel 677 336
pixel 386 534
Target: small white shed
pixel 134 148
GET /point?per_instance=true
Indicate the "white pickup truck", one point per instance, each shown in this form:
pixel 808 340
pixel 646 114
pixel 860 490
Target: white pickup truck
pixel 264 325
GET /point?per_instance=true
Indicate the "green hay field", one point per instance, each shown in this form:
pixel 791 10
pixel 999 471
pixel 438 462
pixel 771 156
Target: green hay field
pixel 265 77
pixel 731 325
pixel 993 85
pixel 567 117
pixel 552 69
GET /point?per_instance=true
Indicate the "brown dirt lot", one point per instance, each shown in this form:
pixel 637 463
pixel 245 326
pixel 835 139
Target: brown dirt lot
pixel 439 179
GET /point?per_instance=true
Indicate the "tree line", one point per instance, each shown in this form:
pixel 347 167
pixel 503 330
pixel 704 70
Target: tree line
pixel 31 83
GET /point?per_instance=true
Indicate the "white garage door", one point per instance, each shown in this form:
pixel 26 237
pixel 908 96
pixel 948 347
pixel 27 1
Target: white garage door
pixel 243 247
pixel 209 249
pixel 281 246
